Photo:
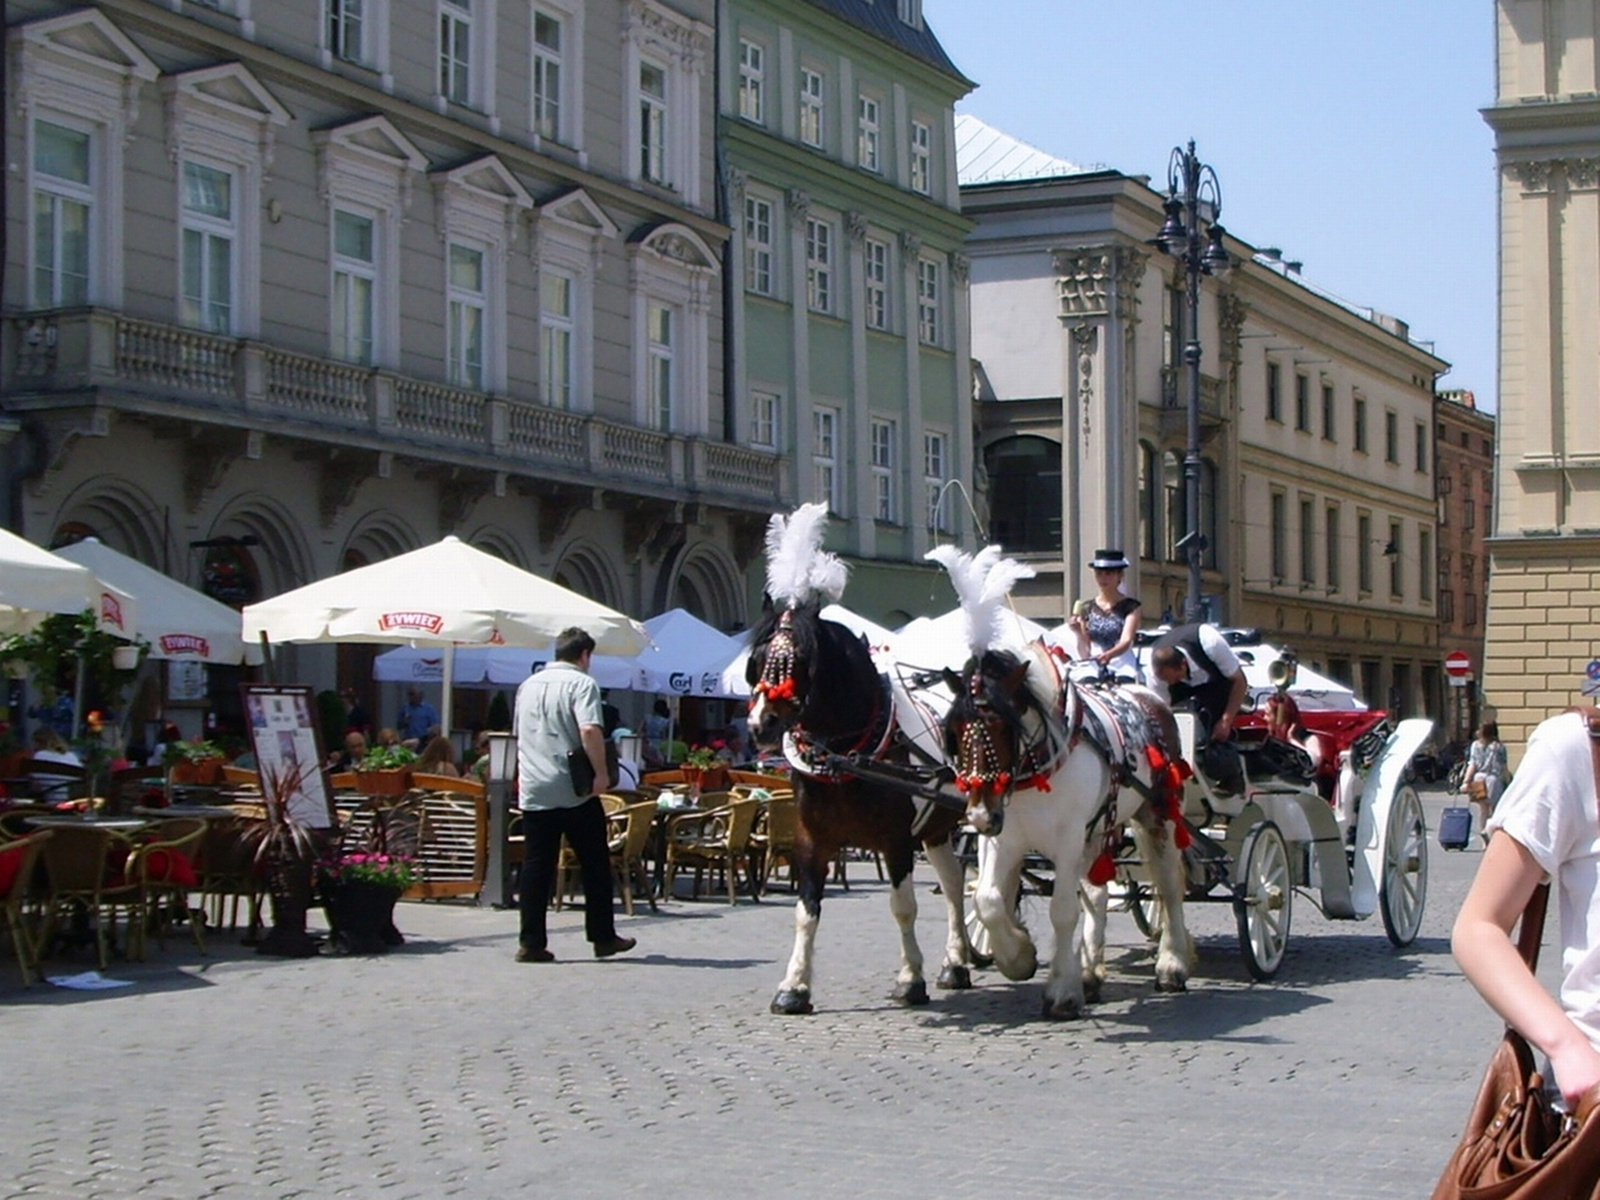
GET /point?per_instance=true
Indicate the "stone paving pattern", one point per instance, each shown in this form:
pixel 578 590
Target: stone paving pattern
pixel 446 1069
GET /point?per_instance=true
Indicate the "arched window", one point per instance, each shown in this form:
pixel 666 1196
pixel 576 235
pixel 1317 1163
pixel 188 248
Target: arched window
pixel 1175 509
pixel 1025 494
pixel 1149 514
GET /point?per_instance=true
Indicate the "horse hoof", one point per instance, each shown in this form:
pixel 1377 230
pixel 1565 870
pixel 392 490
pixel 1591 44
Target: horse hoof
pixel 1172 983
pixel 795 1003
pixel 1091 991
pixel 1061 1010
pixel 955 978
pixel 912 995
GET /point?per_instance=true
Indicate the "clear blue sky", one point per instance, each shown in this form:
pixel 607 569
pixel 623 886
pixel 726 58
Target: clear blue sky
pixel 1346 132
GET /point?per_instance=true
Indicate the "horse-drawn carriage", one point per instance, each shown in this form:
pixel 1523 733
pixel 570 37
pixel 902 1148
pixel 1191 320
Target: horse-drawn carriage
pixel 891 748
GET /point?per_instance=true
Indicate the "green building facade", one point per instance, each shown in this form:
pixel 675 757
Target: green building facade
pixel 849 341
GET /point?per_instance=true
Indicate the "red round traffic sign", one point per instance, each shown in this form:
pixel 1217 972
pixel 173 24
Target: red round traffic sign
pixel 1458 663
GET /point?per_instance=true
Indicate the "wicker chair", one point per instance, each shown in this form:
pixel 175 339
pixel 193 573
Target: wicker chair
pixel 18 860
pixel 163 866
pixel 630 835
pixel 228 872
pixel 775 834
pixel 85 871
pixel 711 841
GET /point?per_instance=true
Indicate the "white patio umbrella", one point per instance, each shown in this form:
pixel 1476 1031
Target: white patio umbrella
pixel 473 666
pixel 443 595
pixel 684 658
pixel 35 584
pixel 879 640
pixel 942 641
pixel 176 620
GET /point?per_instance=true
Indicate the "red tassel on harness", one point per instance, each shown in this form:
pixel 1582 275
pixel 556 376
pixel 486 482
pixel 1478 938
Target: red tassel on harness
pixel 1103 869
pixel 1042 781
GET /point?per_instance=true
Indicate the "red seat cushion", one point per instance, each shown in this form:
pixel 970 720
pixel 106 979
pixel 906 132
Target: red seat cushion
pixel 10 864
pixel 171 866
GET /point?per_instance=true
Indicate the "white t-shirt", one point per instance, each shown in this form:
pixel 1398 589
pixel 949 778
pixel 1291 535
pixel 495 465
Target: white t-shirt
pixel 1551 809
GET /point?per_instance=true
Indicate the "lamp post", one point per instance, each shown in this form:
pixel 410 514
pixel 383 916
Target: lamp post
pixel 502 774
pixel 1192 235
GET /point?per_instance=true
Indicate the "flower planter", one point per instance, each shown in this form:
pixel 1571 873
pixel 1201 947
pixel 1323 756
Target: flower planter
pixel 361 916
pixel 393 782
pixel 207 772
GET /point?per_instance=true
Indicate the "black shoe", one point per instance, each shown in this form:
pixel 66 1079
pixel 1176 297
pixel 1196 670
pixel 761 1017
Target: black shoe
pixel 535 956
pixel 615 945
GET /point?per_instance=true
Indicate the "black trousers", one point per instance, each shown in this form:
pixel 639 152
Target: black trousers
pixel 585 828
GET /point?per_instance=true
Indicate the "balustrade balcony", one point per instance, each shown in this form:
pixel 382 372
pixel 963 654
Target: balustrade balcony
pixel 53 359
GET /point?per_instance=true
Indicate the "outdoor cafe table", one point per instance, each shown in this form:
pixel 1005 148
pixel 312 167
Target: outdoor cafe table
pixel 68 821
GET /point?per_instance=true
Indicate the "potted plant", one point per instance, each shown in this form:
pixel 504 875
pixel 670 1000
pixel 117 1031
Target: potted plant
pixel 385 771
pixel 703 769
pixel 197 762
pixel 286 851
pixel 359 891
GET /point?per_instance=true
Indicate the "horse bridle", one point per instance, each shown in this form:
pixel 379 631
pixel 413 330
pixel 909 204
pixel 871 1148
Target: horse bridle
pixel 777 670
pixel 1031 766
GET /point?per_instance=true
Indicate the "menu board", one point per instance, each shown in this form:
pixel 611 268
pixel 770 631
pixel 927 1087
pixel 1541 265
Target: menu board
pixel 283 732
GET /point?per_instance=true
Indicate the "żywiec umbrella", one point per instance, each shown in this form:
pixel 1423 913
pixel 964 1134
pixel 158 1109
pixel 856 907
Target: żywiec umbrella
pixel 176 620
pixel 35 584
pixel 444 595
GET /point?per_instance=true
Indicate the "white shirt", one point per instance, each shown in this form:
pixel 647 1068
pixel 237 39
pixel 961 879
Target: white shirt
pixel 1551 809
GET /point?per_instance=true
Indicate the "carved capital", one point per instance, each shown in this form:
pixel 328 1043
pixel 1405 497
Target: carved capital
pixel 1534 175
pixel 798 202
pixel 1099 280
pixel 910 243
pixel 960 266
pixel 737 181
pixel 559 506
pixel 338 482
pixel 650 528
pixel 855 226
pixel 58 432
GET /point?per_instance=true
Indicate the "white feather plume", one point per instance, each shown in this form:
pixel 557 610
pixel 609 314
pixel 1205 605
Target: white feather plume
pixel 797 568
pixel 982 582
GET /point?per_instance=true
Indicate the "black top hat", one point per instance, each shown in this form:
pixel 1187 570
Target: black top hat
pixel 1109 560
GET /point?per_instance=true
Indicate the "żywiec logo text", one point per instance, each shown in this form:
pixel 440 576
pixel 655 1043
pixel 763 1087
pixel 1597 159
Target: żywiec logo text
pixel 185 643
pixel 425 621
pixel 111 610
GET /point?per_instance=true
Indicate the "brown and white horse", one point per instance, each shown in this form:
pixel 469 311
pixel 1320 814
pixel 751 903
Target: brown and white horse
pixel 1058 770
pixel 817 692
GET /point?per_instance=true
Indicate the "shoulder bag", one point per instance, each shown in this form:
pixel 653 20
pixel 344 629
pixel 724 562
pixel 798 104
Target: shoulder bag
pixel 1516 1146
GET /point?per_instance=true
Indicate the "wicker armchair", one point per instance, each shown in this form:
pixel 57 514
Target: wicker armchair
pixel 85 871
pixel 18 860
pixel 774 836
pixel 711 841
pixel 164 867
pixel 630 835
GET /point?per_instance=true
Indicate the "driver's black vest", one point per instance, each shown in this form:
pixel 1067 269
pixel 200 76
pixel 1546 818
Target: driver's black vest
pixel 1210 697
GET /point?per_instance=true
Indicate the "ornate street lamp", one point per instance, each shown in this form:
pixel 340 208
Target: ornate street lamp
pixel 1192 235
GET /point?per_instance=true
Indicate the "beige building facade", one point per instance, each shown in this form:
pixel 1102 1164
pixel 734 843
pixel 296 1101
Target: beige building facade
pixel 1545 548
pixel 1316 428
pixel 290 288
pixel 1464 464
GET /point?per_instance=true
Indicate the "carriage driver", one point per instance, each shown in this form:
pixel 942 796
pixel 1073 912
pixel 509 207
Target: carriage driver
pixel 1196 668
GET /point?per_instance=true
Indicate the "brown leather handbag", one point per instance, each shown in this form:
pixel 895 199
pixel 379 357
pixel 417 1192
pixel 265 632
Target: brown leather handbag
pixel 1515 1146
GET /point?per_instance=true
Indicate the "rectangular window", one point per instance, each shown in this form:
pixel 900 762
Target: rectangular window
pixel 825 457
pixel 752 81
pixel 757 246
pixel 1425 570
pixel 652 122
pixel 63 201
pixel 882 444
pixel 935 472
pixel 468 306
pixel 875 260
pixel 344 29
pixel 1391 437
pixel 209 234
pixel 1302 403
pixel 1358 410
pixel 547 76
pixel 455 50
pixel 556 330
pixel 1447 605
pixel 819 265
pixel 928 302
pixel 660 367
pixel 1469 513
pixel 764 420
pixel 810 107
pixel 1329 417
pixel 355 275
pixel 1364 551
pixel 1422 447
pixel 921 158
pixel 1308 542
pixel 1280 537
pixel 1391 551
pixel 1330 538
pixel 1274 393
pixel 1471 606
pixel 867 133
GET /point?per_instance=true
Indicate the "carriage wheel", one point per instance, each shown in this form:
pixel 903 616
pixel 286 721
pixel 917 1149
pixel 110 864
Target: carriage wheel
pixel 1404 887
pixel 1265 900
pixel 1139 899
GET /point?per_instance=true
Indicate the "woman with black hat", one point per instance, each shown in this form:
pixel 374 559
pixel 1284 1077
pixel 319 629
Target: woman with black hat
pixel 1107 624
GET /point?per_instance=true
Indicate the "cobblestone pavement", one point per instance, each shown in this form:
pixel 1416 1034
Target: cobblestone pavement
pixel 447 1069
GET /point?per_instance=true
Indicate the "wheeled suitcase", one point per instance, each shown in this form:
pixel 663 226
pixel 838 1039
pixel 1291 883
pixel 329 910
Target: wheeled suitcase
pixel 1455 828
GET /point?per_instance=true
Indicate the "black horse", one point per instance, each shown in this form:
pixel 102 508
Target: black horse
pixel 814 680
